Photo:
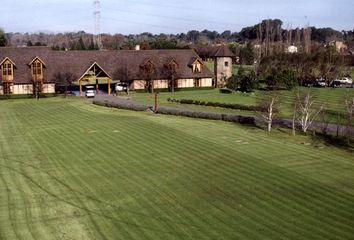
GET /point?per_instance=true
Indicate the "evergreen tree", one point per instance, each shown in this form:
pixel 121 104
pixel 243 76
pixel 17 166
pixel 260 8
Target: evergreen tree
pixel 3 40
pixel 29 43
pixel 81 44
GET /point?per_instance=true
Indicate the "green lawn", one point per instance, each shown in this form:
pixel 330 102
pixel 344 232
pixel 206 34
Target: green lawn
pixel 73 170
pixel 332 99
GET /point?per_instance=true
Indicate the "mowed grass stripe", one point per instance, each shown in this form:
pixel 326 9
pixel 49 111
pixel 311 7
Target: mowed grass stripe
pixel 177 186
pixel 25 205
pixel 83 153
pixel 106 150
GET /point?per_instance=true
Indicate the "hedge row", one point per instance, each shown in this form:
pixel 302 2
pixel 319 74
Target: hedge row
pixel 123 104
pixel 206 115
pixel 217 104
pixel 176 89
pixel 25 96
pixel 136 106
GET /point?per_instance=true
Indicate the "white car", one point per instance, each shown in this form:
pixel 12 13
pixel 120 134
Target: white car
pixel 121 87
pixel 321 83
pixel 345 80
pixel 90 92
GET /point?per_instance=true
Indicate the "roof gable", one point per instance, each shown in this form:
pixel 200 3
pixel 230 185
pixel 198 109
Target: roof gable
pixel 195 60
pixel 7 59
pixel 223 51
pixel 36 58
pixel 89 69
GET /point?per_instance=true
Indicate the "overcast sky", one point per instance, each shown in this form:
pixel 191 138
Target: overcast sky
pixel 136 16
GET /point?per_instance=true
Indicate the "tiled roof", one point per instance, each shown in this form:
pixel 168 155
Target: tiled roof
pixel 124 65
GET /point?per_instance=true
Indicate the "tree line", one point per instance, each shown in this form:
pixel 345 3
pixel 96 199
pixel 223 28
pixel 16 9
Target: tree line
pixel 271 30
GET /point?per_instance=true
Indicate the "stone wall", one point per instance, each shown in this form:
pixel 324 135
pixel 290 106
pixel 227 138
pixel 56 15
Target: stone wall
pixel 222 70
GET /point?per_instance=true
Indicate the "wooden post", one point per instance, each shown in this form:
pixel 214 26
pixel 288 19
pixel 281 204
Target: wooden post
pixel 80 83
pixel 155 107
pixel 96 85
pixel 109 86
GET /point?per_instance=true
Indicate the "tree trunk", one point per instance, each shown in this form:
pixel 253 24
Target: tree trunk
pixel 152 85
pixel 173 83
pixel 293 124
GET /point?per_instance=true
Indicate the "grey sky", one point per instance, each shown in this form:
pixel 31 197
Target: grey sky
pixel 136 16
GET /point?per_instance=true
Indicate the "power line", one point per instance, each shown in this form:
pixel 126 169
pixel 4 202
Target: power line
pixel 146 24
pixel 185 8
pixel 171 17
pixel 97 32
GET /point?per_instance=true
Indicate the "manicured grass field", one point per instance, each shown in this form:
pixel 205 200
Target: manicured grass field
pixel 332 99
pixel 72 170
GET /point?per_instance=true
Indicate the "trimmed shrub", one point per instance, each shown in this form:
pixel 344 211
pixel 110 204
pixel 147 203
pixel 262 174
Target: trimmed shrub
pixel 225 91
pixel 129 105
pixel 222 105
pixel 206 115
pixel 26 96
pixel 123 104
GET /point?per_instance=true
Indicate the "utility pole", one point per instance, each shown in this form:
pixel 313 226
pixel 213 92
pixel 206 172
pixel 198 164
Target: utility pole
pixel 97 16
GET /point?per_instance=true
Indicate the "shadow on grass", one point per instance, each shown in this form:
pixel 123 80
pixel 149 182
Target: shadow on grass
pixel 330 140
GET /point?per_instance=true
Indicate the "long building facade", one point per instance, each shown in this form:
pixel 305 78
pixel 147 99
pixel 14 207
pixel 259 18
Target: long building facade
pixel 39 69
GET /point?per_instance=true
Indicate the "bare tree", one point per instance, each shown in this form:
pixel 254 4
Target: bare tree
pixel 172 68
pixel 65 80
pixel 260 44
pixel 149 70
pixel 307 38
pixel 293 126
pixel 298 38
pixel 269 104
pixel 267 37
pixel 306 109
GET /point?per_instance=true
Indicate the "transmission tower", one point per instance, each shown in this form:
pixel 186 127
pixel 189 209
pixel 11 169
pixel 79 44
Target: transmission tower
pixel 97 32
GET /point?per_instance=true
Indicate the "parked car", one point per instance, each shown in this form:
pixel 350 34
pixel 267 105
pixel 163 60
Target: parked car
pixel 308 83
pixel 345 80
pixel 336 84
pixel 320 83
pixel 90 91
pixel 121 87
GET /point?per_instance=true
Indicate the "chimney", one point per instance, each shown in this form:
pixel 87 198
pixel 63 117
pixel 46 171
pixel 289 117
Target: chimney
pixel 137 47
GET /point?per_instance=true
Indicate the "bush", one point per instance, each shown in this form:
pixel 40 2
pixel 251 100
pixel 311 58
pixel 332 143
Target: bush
pixel 123 104
pixel 129 105
pixel 225 91
pixel 206 115
pixel 25 96
pixel 217 104
pixel 281 79
pixel 243 81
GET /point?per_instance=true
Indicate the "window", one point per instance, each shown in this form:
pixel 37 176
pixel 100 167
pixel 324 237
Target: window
pixel 197 67
pixel 37 68
pixel 197 82
pixel 226 64
pixel 7 88
pixel 7 69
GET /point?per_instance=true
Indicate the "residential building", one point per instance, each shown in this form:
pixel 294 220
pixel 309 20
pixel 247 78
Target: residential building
pixel 29 69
